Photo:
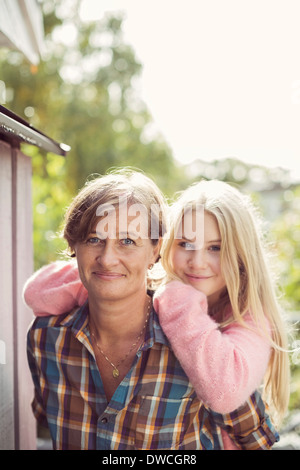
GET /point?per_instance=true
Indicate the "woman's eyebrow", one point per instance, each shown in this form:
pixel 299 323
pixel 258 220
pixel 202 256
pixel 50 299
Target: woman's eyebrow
pixel 130 234
pixel 120 235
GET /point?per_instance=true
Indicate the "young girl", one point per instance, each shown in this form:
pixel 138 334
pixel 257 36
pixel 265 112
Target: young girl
pixel 217 305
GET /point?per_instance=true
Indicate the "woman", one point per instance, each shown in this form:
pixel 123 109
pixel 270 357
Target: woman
pixel 105 376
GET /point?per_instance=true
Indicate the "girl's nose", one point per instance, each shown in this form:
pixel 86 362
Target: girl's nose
pixel 198 259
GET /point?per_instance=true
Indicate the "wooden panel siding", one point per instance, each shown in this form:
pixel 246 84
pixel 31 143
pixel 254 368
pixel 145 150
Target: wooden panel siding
pixel 22 269
pixel 17 424
pixel 6 293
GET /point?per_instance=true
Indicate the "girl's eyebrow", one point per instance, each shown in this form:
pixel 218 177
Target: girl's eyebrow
pixel 192 240
pixel 185 239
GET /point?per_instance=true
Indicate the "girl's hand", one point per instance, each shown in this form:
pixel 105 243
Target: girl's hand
pixel 176 300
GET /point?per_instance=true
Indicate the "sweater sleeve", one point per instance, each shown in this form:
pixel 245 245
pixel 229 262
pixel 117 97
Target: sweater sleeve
pixel 224 366
pixel 54 289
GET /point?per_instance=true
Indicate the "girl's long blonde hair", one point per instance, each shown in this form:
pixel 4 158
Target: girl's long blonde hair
pixel 250 286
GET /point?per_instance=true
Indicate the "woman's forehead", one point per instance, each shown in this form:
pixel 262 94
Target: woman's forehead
pixel 120 221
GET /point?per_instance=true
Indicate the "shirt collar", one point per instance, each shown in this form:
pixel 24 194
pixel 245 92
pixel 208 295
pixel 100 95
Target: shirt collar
pixel 78 320
pixel 154 332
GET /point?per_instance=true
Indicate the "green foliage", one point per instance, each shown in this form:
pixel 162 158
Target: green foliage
pixel 82 94
pixel 50 196
pixel 287 231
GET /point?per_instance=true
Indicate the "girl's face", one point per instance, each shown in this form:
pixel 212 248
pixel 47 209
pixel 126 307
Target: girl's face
pixel 200 266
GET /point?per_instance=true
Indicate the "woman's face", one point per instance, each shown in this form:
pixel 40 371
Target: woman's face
pixel 200 265
pixel 114 259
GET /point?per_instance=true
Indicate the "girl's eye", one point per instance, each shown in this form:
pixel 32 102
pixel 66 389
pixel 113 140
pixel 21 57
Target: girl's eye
pixel 187 245
pixel 215 248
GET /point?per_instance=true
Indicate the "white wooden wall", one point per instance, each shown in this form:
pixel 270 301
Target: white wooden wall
pixel 17 424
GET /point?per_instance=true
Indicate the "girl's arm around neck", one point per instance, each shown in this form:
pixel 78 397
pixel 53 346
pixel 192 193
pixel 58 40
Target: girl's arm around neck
pixel 224 366
pixel 54 289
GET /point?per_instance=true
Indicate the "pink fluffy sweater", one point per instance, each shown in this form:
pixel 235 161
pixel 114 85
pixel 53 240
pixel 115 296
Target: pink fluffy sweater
pixel 224 366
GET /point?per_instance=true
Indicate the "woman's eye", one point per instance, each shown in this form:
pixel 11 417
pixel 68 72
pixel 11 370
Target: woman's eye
pixel 127 241
pixel 93 241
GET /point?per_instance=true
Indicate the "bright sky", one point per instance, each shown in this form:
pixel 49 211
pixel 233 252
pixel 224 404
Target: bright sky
pixel 221 78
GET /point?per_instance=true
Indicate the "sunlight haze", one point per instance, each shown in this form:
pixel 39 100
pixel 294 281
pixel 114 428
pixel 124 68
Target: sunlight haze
pixel 221 79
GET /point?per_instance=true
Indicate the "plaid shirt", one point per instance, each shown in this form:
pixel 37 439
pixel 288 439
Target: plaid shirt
pixel 155 406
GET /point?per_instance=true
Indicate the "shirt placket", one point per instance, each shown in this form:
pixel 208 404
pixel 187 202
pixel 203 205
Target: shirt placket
pixel 106 412
pixel 105 415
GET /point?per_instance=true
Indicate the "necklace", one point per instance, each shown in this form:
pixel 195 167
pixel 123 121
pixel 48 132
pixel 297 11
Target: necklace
pixel 116 371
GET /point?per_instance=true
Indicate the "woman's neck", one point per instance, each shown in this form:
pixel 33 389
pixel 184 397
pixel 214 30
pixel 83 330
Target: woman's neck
pixel 115 320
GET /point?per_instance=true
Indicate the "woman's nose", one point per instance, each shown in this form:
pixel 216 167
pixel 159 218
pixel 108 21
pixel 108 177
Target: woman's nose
pixel 107 257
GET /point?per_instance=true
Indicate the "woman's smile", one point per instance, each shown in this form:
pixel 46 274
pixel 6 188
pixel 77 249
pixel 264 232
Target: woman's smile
pixel 108 276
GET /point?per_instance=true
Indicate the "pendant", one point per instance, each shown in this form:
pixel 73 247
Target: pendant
pixel 115 373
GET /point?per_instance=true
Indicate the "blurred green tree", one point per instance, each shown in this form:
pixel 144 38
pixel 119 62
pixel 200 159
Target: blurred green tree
pixel 82 93
pixel 286 234
pixel 287 231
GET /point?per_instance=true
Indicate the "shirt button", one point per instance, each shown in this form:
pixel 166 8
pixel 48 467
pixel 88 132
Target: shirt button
pixel 104 420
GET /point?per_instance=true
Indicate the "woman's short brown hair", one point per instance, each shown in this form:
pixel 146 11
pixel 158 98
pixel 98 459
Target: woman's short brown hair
pixel 81 216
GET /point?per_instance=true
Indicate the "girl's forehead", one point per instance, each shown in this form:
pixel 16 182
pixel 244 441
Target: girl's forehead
pixel 197 226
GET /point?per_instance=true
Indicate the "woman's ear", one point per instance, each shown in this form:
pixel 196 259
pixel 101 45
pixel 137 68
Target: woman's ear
pixel 156 251
pixel 73 251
